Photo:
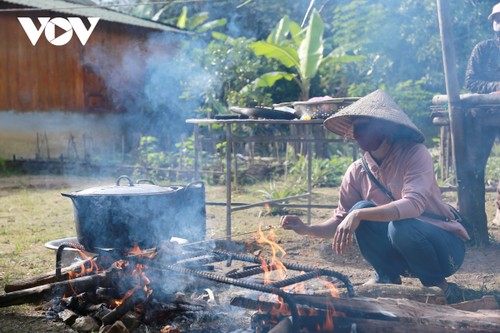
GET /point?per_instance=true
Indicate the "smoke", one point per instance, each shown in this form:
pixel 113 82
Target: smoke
pixel 48 135
pixel 157 85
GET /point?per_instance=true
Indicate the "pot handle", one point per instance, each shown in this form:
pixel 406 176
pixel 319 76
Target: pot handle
pixel 149 181
pixel 130 182
pixel 195 183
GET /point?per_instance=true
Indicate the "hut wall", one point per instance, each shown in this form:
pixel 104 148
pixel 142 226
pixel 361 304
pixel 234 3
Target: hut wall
pixel 60 93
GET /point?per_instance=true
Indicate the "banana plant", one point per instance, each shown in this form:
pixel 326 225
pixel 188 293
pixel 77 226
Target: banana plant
pixel 197 22
pixel 295 48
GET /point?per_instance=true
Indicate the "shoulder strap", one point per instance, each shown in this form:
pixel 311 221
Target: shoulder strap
pixel 389 194
pixel 375 180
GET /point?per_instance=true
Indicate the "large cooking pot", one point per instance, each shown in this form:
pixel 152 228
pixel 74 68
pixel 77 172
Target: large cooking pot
pixel 143 213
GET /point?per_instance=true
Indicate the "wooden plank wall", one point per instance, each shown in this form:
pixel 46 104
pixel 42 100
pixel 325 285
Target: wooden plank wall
pixel 45 77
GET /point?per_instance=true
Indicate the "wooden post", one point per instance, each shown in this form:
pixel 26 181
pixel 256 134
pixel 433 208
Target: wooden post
pixel 229 145
pixel 196 152
pixel 309 136
pixel 465 168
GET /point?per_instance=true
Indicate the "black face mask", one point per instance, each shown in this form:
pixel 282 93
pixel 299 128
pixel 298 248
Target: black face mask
pixel 368 135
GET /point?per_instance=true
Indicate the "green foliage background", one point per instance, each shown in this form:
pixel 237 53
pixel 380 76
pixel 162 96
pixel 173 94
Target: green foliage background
pixel 397 43
pixel 368 44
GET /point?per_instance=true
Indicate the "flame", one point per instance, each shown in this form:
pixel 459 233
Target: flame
pixel 334 292
pixel 129 293
pixel 142 279
pixel 275 265
pixel 89 265
pixel 330 309
pixel 137 252
pixel 93 267
pixel 328 324
pixel 139 270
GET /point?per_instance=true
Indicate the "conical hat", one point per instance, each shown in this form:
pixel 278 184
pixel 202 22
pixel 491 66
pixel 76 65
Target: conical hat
pixel 377 105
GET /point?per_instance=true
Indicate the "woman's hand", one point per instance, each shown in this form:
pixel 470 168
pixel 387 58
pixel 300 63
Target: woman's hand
pixel 293 222
pixel 344 233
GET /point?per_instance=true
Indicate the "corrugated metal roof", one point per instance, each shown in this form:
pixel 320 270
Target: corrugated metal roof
pixel 104 14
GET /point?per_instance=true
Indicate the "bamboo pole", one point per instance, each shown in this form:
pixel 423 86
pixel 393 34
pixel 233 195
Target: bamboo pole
pixel 466 167
pixel 452 88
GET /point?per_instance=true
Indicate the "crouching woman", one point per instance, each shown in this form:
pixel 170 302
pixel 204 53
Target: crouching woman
pixel 390 202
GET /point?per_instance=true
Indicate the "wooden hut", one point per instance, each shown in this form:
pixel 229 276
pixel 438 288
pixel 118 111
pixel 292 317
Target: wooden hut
pixel 53 94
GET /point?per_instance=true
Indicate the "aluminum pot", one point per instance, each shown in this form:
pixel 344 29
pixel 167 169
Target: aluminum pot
pixel 322 108
pixel 143 213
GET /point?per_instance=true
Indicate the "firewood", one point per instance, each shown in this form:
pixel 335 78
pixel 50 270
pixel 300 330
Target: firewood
pixel 39 280
pixel 131 320
pixel 485 303
pixel 39 293
pixel 138 297
pixel 430 295
pixel 392 315
pixel 284 326
pixel 414 326
pixel 67 316
pixel 117 327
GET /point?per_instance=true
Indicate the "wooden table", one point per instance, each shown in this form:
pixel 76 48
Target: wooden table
pixel 307 138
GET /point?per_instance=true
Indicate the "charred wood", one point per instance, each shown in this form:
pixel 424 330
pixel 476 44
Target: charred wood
pixel 39 293
pixel 39 280
pixel 389 315
pixel 138 297
pixel 284 326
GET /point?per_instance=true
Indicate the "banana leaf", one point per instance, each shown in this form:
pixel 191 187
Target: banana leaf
pixel 268 79
pixel 286 55
pixel 280 32
pixel 311 49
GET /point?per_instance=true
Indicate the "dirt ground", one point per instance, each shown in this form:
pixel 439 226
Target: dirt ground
pixel 479 274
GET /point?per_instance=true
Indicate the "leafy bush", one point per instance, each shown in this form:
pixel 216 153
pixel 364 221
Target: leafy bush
pixel 280 192
pixel 324 172
pixel 150 158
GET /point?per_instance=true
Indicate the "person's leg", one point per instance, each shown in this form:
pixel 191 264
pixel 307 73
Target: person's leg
pixel 431 253
pixel 376 248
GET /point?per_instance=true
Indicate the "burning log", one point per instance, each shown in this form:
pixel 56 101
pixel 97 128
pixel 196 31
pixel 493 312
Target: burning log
pixel 355 308
pixel 39 293
pixel 284 326
pixel 320 322
pixel 384 315
pixel 137 297
pixel 46 278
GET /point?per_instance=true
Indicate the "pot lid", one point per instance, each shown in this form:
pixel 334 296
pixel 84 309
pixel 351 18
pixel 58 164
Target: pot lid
pixel 129 188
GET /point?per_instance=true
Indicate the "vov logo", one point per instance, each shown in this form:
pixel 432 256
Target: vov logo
pixel 49 25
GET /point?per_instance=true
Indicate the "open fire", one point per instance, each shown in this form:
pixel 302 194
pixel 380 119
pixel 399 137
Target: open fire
pixel 119 290
pixel 202 287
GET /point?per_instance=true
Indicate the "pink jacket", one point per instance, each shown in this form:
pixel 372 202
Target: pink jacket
pixel 407 171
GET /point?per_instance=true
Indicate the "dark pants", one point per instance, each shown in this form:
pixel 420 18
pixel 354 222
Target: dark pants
pixel 409 247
